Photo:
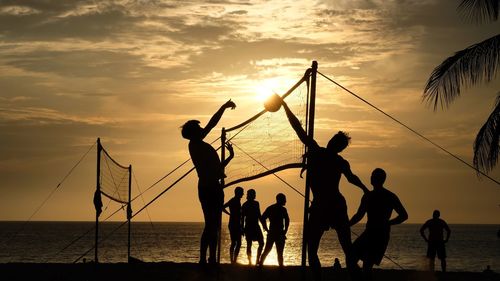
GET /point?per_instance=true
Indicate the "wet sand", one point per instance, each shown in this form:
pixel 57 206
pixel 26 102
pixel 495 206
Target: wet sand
pixel 225 272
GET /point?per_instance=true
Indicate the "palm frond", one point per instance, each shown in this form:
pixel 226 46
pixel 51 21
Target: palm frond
pixel 479 11
pixel 486 145
pixel 478 63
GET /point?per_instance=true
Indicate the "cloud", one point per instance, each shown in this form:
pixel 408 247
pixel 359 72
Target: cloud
pixel 18 11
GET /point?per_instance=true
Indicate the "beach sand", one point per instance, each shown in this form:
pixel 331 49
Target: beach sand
pixel 225 272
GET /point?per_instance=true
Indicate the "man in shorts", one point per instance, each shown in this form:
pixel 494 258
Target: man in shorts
pixel 235 230
pixel 378 204
pixel 435 240
pixel 278 227
pixel 328 208
pixel 250 217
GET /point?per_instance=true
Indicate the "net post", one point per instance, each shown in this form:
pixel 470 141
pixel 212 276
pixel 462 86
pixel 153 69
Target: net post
pixel 222 183
pixel 310 133
pixel 129 209
pixel 98 189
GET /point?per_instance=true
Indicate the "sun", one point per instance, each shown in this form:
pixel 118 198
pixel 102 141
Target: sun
pixel 265 88
pixel 263 92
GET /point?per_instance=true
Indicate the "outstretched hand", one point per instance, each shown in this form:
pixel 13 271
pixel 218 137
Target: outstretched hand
pixel 230 104
pixel 229 147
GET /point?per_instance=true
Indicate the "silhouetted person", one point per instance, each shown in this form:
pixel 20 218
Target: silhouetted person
pixel 378 205
pixel 210 172
pixel 435 240
pixel 235 229
pixel 328 209
pixel 278 227
pixel 336 265
pixel 488 270
pixel 250 218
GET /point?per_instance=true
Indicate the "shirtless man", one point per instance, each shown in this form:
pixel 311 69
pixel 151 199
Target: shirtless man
pixel 210 172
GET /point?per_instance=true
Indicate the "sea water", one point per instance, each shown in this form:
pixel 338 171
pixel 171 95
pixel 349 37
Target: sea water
pixel 471 247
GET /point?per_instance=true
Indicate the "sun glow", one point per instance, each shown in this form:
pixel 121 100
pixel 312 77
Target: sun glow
pixel 265 88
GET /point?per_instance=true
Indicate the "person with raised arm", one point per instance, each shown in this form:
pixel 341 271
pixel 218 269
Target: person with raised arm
pixel 210 173
pixel 328 208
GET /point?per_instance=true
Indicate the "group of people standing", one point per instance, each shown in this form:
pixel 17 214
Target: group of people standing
pixel 244 221
pixel 328 208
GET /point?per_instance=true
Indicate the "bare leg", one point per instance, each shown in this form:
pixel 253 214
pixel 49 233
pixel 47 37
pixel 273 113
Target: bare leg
pixel 237 250
pixel 203 246
pixel 314 233
pixel 431 264
pixel 249 251
pixel 344 234
pixel 367 271
pixel 280 247
pixel 259 251
pixel 231 251
pixel 267 250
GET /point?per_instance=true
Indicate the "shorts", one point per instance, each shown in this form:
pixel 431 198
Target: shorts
pixel 254 233
pixel 436 247
pixel 370 246
pixel 235 232
pixel 326 215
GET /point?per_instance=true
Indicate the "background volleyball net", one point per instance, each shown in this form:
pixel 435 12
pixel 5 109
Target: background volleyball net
pixel 114 182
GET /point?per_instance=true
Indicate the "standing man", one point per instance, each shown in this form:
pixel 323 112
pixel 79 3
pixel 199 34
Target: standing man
pixel 435 241
pixel 378 204
pixel 210 172
pixel 328 209
pixel 235 229
pixel 278 227
pixel 250 218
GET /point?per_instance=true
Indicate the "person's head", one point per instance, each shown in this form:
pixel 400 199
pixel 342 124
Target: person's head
pixel 281 199
pixel 378 177
pixel 191 130
pixel 338 142
pixel 238 192
pixel 436 214
pixel 251 194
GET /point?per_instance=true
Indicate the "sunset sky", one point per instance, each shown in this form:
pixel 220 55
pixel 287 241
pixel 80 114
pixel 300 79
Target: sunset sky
pixel 132 72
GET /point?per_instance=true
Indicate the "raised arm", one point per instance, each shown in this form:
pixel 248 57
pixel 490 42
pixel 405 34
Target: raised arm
pixel 360 213
pixel 400 210
pixel 297 127
pixel 352 178
pixel 215 119
pixel 229 148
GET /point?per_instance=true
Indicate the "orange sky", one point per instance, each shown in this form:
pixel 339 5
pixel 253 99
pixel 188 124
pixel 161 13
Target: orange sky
pixel 132 73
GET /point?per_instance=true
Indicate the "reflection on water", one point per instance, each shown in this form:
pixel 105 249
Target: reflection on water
pixel 471 247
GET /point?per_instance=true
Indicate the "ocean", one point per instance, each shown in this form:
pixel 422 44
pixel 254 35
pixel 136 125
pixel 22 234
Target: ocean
pixel 471 247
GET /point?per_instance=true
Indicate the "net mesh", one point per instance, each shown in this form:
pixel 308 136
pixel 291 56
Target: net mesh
pixel 113 178
pixel 267 143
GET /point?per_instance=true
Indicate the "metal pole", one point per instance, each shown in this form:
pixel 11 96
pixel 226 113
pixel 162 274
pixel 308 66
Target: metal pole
pixel 129 208
pixel 98 187
pixel 310 133
pixel 223 157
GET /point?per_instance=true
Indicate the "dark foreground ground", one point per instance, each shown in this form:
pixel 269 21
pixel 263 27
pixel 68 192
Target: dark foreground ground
pixel 192 272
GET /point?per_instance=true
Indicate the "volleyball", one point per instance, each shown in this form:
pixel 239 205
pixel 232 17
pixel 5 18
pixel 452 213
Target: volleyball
pixel 273 103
